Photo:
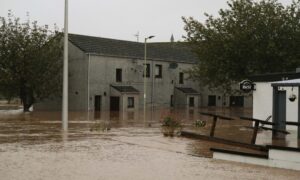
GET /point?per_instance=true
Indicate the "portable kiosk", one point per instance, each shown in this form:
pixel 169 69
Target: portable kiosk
pixel 286 98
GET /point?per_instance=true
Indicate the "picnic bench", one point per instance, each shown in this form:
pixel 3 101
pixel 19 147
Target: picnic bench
pixel 211 136
pixel 292 123
pixel 216 117
pixel 257 122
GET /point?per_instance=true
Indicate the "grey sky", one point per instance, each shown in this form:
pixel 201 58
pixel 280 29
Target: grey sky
pixel 118 19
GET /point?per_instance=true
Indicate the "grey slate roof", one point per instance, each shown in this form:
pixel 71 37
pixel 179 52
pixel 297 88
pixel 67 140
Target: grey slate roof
pixel 126 89
pixel 187 90
pixel 176 51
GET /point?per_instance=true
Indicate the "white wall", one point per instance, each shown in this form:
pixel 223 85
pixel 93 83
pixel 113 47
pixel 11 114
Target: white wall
pixel 263 103
pixel 291 107
pixel 262 100
pixel 277 158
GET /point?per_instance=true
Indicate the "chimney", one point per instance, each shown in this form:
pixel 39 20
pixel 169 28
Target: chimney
pixel 172 38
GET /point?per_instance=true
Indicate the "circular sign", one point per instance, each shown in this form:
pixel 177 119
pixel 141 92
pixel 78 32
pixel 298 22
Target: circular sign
pixel 247 86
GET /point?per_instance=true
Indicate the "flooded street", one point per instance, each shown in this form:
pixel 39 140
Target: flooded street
pixel 121 146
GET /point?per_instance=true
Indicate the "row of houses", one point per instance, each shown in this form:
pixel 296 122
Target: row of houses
pixel 108 74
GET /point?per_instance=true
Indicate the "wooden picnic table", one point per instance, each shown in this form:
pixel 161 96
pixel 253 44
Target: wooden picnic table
pixel 292 123
pixel 256 126
pixel 215 119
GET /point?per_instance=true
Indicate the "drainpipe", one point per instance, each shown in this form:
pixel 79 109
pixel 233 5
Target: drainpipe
pixel 152 106
pixel 88 86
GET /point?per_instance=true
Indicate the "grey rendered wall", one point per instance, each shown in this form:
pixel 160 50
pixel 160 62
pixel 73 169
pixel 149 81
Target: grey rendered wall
pixel 77 84
pixel 102 74
pixel 220 98
pixel 180 99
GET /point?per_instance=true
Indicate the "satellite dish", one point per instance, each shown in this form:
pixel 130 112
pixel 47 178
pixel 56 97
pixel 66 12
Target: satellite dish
pixel 139 67
pixel 173 65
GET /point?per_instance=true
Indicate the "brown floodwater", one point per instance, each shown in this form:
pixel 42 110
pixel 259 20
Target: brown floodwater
pixel 124 145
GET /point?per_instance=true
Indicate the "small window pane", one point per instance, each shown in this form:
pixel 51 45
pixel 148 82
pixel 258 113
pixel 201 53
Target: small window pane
pixel 118 75
pixel 181 75
pixel 130 102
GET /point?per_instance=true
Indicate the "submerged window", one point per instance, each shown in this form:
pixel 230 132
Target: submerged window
pixel 130 102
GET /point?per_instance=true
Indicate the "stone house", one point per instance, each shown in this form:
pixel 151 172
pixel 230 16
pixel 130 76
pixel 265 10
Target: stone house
pixel 107 74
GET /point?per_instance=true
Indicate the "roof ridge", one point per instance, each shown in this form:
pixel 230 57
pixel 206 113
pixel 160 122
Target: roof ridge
pixel 98 37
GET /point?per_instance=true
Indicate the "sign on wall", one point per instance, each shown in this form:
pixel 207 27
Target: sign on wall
pixel 247 86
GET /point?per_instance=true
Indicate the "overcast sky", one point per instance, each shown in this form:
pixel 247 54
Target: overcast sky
pixel 118 19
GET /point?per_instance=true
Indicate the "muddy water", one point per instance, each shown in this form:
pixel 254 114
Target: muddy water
pixel 121 146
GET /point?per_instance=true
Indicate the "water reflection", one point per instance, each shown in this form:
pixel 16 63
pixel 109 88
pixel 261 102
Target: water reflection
pixel 129 127
pixel 97 115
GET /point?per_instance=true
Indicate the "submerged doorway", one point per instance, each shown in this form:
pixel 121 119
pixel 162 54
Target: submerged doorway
pixel 114 103
pixel 97 107
pixel 97 104
pixel 211 100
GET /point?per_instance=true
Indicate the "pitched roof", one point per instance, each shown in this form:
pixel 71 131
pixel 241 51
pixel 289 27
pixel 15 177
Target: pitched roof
pixel 176 51
pixel 126 89
pixel 274 77
pixel 187 90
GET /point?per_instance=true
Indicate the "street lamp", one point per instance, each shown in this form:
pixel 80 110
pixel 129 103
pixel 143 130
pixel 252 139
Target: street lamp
pixel 65 73
pixel 145 75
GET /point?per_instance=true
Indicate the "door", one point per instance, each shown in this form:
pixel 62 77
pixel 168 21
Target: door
pixel 211 100
pixel 114 103
pixel 236 101
pixel 280 110
pixel 97 107
pixel 97 103
pixel 191 102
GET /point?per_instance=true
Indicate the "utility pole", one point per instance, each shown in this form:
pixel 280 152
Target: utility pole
pixel 65 73
pixel 145 76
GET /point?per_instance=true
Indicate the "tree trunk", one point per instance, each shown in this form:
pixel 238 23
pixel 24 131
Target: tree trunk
pixel 26 107
pixel 26 95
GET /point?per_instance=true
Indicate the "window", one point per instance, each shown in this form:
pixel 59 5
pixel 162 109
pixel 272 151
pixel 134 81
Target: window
pixel 119 75
pixel 147 70
pixel 130 102
pixel 181 75
pixel 158 71
pixel 192 102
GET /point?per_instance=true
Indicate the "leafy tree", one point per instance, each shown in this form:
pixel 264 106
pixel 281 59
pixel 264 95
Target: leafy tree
pixel 250 37
pixel 30 60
